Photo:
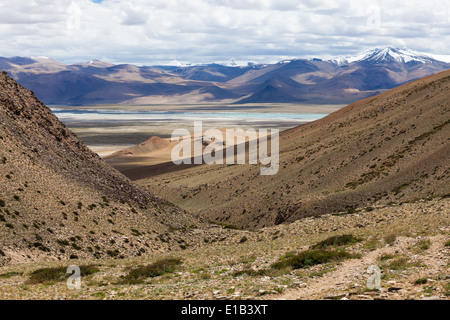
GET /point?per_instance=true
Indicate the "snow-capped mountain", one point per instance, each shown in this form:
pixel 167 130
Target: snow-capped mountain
pixel 176 63
pixel 341 80
pixel 390 54
pixel 440 57
pixel 233 62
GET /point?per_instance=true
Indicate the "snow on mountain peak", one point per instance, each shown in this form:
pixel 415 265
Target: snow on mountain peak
pixel 233 62
pixel 389 53
pixel 176 63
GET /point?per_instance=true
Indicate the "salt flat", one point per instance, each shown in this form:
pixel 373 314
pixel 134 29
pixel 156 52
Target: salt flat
pixel 109 128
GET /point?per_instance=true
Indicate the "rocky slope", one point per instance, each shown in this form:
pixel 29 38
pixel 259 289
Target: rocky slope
pixel 409 243
pixel 59 200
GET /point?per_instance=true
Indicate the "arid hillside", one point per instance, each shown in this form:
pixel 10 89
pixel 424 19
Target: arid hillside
pixel 391 148
pixel 59 200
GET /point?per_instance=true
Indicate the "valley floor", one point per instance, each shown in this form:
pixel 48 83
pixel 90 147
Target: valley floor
pixel 410 243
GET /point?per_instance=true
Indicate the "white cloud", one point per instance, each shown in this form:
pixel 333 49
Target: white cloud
pixel 210 30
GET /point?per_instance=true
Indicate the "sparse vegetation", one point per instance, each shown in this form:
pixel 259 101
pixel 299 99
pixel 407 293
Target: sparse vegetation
pixel 113 253
pixel 10 275
pixel 41 247
pixel 156 269
pixel 420 281
pixel 336 241
pixel 311 258
pixel 398 264
pixel 424 244
pixel 252 273
pixel 51 275
pixel 136 232
pixel 228 226
pixel 390 238
pixel 447 290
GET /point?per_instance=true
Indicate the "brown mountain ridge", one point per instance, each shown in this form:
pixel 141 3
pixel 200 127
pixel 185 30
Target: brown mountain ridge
pixel 59 200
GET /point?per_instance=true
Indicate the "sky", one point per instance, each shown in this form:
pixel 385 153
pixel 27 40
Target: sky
pixel 155 32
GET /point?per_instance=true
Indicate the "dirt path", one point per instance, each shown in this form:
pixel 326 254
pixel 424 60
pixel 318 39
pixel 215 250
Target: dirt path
pixel 352 275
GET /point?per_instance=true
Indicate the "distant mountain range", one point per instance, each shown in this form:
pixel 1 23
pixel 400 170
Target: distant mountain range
pixel 339 80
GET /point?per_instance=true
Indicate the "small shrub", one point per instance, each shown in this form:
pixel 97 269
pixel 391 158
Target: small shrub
pixel 51 275
pixel 243 239
pixel 75 246
pixel 419 282
pixel 447 244
pixel 336 241
pixel 386 257
pixel 41 247
pixel 311 258
pixel 2 203
pixel 424 244
pixel 16 197
pixel 390 239
pixel 447 290
pixel 99 295
pixel 62 242
pixel 399 264
pixel 228 226
pixel 113 253
pixel 153 270
pixel 136 232
pixel 428 290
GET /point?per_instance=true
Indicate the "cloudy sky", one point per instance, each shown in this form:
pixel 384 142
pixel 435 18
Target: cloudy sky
pixel 199 31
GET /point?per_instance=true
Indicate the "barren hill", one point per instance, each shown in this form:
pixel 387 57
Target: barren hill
pixel 59 200
pixel 390 148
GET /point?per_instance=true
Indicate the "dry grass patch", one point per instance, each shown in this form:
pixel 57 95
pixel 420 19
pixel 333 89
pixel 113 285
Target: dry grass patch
pixel 52 275
pixel 10 275
pixel 156 269
pixel 311 258
pixel 336 241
